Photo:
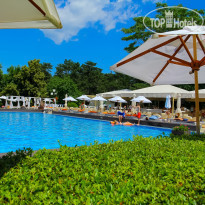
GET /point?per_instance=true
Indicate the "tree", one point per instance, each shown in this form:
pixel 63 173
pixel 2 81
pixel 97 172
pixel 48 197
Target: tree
pixel 12 71
pixel 31 80
pixel 138 33
pixel 63 86
pixel 91 78
pixel 87 76
pixel 1 78
pixel 46 68
pixel 10 89
pixel 68 68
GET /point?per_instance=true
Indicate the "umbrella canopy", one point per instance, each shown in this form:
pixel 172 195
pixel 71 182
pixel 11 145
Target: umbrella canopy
pixel 113 93
pixel 98 98
pixel 84 97
pixel 169 58
pixel 118 99
pixel 29 14
pixel 69 99
pixel 141 99
pixel 168 102
pixel 158 91
pixel 165 60
pixel 3 97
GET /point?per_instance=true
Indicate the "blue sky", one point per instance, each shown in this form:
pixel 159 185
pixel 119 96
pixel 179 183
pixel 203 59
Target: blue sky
pixel 91 33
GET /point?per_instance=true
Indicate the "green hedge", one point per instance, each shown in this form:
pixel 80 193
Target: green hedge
pixel 192 136
pixel 142 171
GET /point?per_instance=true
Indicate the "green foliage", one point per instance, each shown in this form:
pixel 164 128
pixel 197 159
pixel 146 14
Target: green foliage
pixel 91 78
pixel 72 104
pixel 181 128
pixel 10 89
pixel 192 137
pixel 69 68
pixel 46 68
pixel 138 33
pixel 12 159
pixel 31 80
pixel 70 78
pixel 1 78
pixel 63 86
pixel 11 74
pixel 142 171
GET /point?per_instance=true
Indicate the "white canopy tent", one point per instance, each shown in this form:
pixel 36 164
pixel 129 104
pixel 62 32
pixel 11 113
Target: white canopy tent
pixel 201 93
pixel 114 93
pixel 29 14
pixel 158 91
pixel 169 58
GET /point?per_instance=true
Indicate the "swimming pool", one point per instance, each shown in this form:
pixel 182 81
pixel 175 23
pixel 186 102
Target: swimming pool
pixel 37 130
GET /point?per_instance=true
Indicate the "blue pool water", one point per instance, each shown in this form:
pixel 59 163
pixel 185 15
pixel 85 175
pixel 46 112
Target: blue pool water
pixel 37 130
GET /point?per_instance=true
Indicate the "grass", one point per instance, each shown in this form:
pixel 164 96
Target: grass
pixel 138 171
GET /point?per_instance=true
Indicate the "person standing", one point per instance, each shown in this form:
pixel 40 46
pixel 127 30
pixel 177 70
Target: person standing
pixel 138 109
pixel 121 115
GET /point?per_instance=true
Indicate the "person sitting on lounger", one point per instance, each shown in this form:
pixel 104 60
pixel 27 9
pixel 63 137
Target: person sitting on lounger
pixel 82 106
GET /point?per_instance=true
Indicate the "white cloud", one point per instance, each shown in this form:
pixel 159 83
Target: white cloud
pixel 79 14
pixel 153 1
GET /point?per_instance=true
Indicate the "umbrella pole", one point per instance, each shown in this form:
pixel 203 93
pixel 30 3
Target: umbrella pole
pixel 172 105
pixel 196 87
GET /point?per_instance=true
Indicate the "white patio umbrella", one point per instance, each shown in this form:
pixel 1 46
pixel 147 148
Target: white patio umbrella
pixel 141 99
pixel 84 97
pixel 118 99
pixel 169 58
pixel 29 14
pixel 99 99
pixel 70 99
pixel 168 102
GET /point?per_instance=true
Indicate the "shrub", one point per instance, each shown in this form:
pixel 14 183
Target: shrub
pixel 139 171
pixel 181 128
pixel 193 136
pixel 72 104
pixel 11 159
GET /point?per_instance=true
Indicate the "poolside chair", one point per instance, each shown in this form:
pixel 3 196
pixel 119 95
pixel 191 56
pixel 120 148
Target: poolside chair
pixel 164 116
